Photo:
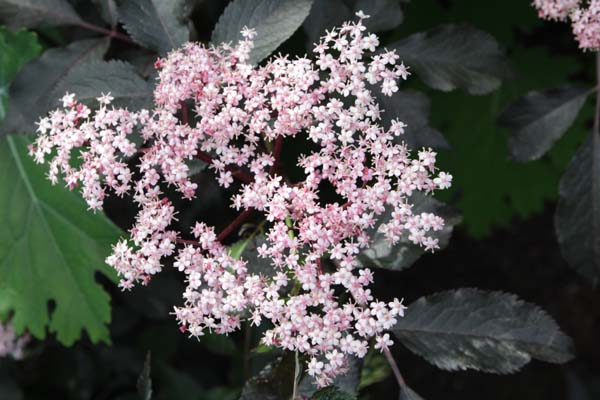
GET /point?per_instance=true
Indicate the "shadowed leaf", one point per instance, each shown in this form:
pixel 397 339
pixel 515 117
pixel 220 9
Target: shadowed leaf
pixel 577 217
pixel 30 94
pixel 455 56
pixel 538 119
pixel 34 13
pixel 118 78
pixel 156 24
pixel 487 331
pixel 274 21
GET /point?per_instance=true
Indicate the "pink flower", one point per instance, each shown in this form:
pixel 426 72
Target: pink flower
pixel 238 118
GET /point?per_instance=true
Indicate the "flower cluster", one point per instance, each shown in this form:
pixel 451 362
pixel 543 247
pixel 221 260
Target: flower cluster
pixel 210 104
pixel 584 16
pixel 11 345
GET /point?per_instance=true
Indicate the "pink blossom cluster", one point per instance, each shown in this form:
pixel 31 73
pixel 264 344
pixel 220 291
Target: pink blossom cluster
pixel 11 345
pixel 210 104
pixel 584 16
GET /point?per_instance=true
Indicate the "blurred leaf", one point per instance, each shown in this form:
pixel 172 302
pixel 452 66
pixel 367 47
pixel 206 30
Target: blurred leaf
pixel 412 108
pixel 375 369
pixel 108 11
pixel 487 331
pixel 16 48
pixel 455 56
pixel 255 263
pixel 155 24
pixel 407 393
pixel 34 13
pixel 274 21
pixel 538 119
pixel 332 393
pixel 9 390
pixel 404 253
pixel 144 383
pixel 219 344
pixel 118 78
pixel 383 14
pixel 577 217
pixel 30 94
pixel 274 382
pixel 50 247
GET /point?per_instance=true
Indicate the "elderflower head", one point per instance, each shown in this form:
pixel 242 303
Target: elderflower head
pixel 584 16
pixel 235 109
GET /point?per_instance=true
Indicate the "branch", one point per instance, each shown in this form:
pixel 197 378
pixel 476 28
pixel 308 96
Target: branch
pixel 237 173
pixel 234 224
pixel 394 366
pixel 107 32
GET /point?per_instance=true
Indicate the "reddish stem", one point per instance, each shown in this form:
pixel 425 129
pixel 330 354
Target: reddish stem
pixel 107 32
pixel 234 224
pixel 184 113
pixel 277 155
pixel 185 241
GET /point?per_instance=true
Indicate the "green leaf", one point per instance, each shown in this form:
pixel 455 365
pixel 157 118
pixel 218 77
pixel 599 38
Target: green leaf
pixel 412 108
pixel 119 78
pixel 375 369
pixel 404 253
pixel 455 56
pixel 30 94
pixel 538 119
pixel 274 21
pixel 577 217
pixel 487 331
pixel 274 382
pixel 35 13
pixel 50 249
pixel 108 11
pixel 144 382
pixel 407 393
pixel 156 24
pixel 16 48
pixel 332 393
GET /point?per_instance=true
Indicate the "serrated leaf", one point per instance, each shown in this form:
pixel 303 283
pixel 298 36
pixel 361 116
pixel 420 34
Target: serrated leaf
pixel 332 393
pixel 407 393
pixel 30 93
pixel 455 56
pixel 326 14
pixel 144 382
pixel 538 119
pixel 274 21
pixel 274 382
pixel 404 253
pixel 119 78
pixel 375 369
pixel 487 331
pixel 412 108
pixel 50 249
pixel 156 24
pixel 35 13
pixel 577 218
pixel 16 48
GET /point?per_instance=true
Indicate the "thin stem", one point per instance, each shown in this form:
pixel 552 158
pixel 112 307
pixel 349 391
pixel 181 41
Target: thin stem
pixel 296 376
pixel 107 32
pixel 277 155
pixel 184 113
pixel 234 224
pixel 185 241
pixel 394 366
